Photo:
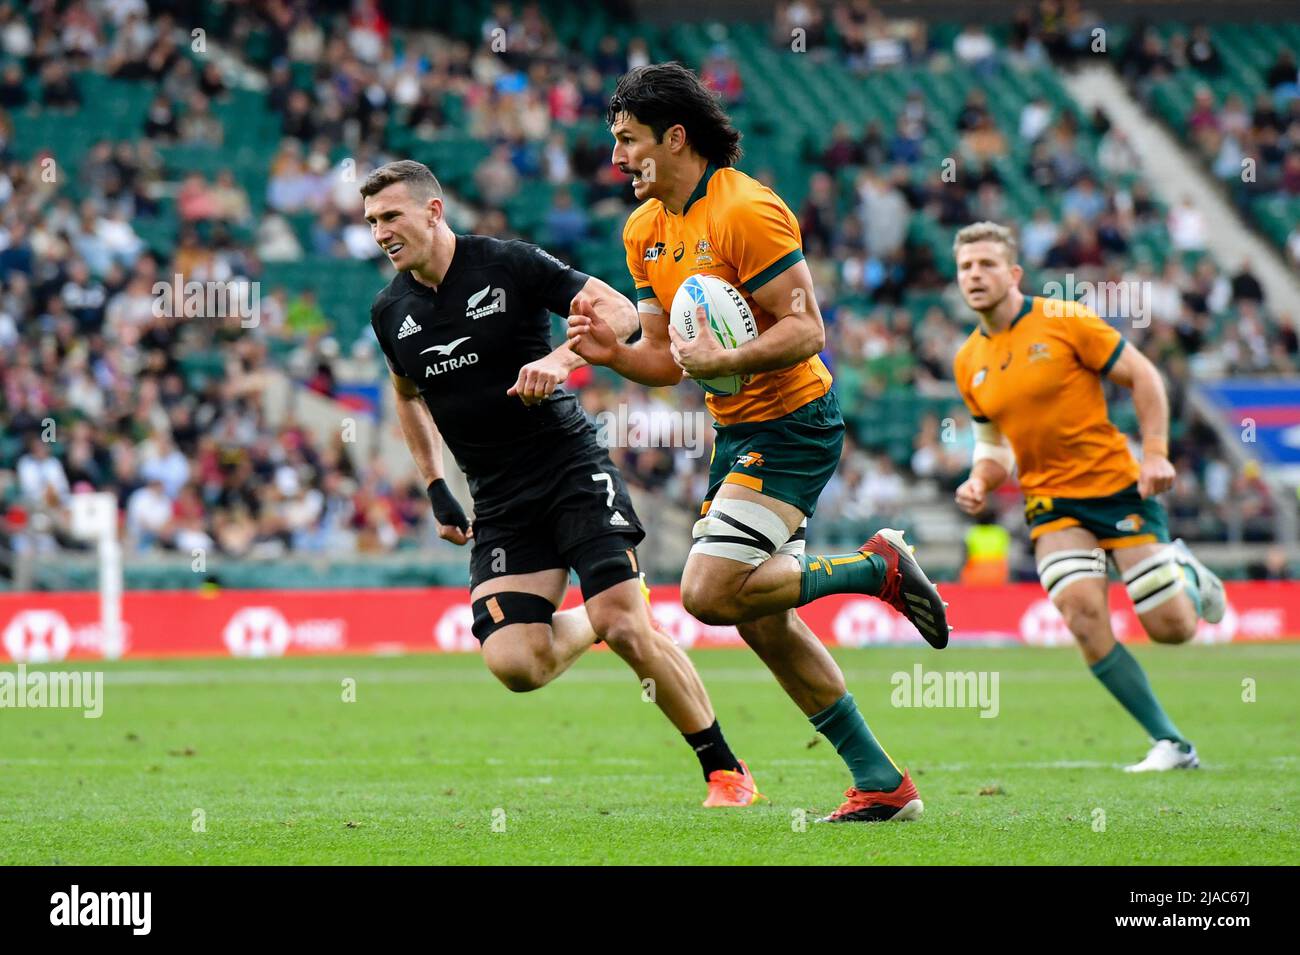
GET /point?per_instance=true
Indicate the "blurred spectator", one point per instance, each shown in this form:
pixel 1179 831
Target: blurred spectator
pixel 229 200
pixel 496 177
pixel 84 297
pixel 975 48
pixel 1245 286
pixel 1202 55
pixel 148 515
pixel 1035 117
pixel 1186 226
pixel 1274 566
pixel 1083 200
pixel 161 121
pixel 304 316
pixel 195 201
pixel 565 226
pixel 985 141
pixel 818 214
pixel 1204 114
pixel 721 74
pixel 885 215
pixel 1116 156
pixel 1283 73
pixel 804 16
pixel 41 478
pixel 843 150
pixel 58 91
pixel 199 126
pixel 13 89
pixel 1038 236
pixel 905 146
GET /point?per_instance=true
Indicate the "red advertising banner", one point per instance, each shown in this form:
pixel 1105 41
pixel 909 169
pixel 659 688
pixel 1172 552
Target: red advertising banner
pixel 48 627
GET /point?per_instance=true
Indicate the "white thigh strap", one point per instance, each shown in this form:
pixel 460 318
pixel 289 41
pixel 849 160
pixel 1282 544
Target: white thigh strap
pixel 1060 569
pixel 739 530
pixel 796 545
pixel 1156 579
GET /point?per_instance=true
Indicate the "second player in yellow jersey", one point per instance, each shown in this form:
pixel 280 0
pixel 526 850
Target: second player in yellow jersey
pixel 1039 381
pixel 1031 374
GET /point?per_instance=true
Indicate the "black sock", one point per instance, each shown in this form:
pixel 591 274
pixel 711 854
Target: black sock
pixel 712 750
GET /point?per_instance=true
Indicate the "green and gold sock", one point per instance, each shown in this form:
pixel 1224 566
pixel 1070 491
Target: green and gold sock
pixel 1120 673
pixel 843 725
pixel 855 573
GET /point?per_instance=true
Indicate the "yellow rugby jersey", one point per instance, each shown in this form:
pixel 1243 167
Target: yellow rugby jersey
pixel 739 230
pixel 1039 381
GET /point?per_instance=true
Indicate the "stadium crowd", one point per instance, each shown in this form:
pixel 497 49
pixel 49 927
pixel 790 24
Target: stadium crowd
pixel 1251 144
pixel 94 390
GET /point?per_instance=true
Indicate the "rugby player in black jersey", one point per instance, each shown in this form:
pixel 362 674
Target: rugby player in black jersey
pixel 465 326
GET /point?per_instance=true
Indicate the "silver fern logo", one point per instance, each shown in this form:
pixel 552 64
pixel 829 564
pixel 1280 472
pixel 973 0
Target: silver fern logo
pixel 475 310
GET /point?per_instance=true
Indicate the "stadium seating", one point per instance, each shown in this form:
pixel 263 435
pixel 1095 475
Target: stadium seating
pixel 1247 51
pixel 783 113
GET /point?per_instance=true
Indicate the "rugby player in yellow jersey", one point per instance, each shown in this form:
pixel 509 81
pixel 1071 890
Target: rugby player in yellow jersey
pixel 778 441
pixel 1031 376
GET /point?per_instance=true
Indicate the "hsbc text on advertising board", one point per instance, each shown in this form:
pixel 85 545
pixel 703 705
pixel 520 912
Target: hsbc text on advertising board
pixel 48 628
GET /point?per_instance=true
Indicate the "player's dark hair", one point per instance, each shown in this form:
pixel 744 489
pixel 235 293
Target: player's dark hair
pixel 419 178
pixel 662 95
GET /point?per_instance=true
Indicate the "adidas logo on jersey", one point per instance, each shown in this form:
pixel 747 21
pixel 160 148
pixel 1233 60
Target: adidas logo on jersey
pixel 618 520
pixel 474 310
pixel 408 327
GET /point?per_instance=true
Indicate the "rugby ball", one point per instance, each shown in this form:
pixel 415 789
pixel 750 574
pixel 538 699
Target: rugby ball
pixel 708 303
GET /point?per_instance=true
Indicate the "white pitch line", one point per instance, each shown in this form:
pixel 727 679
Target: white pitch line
pixel 1273 762
pixel 282 675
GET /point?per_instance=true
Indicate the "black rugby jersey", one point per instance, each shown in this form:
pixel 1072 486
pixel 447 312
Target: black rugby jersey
pixel 464 343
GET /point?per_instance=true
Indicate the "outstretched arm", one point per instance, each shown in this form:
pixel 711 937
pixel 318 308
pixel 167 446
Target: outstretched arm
pixel 597 300
pixel 648 360
pixel 605 302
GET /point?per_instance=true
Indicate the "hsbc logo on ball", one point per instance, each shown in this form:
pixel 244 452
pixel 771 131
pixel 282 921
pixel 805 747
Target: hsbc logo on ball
pixel 264 632
pixel 688 322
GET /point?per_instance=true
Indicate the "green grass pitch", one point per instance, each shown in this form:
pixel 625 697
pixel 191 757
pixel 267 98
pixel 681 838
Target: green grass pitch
pixel 436 763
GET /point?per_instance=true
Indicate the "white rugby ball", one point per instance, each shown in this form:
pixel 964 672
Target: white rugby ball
pixel 708 302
